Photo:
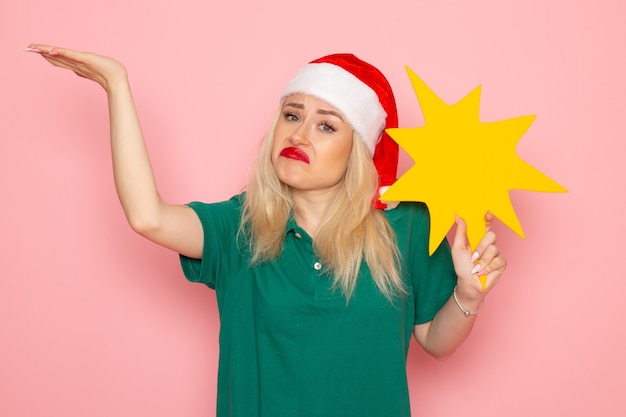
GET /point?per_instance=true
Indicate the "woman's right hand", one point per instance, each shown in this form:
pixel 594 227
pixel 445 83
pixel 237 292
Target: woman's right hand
pixel 172 226
pixel 104 70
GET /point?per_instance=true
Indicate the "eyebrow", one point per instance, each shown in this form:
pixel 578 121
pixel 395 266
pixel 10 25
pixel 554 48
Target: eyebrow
pixel 320 111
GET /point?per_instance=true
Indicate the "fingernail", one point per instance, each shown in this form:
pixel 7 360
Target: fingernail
pixel 53 53
pixel 476 269
pixel 32 50
pixel 456 218
pixel 475 256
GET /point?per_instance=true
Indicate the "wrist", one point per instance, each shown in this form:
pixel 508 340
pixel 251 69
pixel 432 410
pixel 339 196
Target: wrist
pixel 468 306
pixel 116 83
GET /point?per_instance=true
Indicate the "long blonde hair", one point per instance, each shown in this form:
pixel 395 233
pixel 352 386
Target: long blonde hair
pixel 350 232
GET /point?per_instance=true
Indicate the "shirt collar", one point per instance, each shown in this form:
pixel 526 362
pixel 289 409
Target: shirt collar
pixel 292 226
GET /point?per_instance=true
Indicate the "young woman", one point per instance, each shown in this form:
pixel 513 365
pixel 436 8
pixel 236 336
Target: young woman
pixel 319 290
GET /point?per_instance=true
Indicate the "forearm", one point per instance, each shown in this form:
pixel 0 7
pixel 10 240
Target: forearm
pixel 172 226
pixel 449 329
pixel 133 175
pixel 453 323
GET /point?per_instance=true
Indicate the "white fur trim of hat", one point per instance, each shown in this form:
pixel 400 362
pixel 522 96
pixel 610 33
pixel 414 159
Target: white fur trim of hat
pixel 352 97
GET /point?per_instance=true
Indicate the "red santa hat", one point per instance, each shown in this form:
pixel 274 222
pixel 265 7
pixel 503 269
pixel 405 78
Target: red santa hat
pixel 363 95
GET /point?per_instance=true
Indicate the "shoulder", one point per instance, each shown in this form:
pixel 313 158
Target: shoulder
pixel 228 207
pixel 410 222
pixel 408 212
pixel 223 217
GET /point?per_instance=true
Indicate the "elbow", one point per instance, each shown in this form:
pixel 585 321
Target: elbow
pixel 441 355
pixel 439 351
pixel 144 226
pixel 145 217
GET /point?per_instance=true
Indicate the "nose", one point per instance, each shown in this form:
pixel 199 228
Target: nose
pixel 299 136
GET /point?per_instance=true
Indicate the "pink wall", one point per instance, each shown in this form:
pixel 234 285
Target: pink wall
pixel 94 321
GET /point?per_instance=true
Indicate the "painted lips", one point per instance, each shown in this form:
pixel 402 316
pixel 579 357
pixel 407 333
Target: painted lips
pixel 295 153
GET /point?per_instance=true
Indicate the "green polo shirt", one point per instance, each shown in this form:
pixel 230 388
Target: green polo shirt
pixel 290 346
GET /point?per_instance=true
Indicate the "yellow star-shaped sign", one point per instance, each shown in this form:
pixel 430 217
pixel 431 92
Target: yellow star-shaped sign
pixel 463 166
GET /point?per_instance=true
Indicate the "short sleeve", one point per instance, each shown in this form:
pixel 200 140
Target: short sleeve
pixel 220 224
pixel 434 287
pixel 431 277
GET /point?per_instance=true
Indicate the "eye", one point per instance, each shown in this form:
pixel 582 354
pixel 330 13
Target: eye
pixel 327 128
pixel 290 116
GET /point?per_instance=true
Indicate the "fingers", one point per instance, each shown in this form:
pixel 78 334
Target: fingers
pixel 489 260
pixel 46 48
pixel 485 259
pixel 461 252
pixel 102 70
pixel 460 236
pixel 55 54
pixel 51 54
pixel 43 49
pixel 488 220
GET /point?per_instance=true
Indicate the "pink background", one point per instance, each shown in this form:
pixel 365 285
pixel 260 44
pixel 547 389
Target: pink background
pixel 95 321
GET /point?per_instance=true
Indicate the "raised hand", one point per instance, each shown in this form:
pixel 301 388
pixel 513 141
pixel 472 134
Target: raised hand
pixel 486 260
pixel 173 226
pixel 101 69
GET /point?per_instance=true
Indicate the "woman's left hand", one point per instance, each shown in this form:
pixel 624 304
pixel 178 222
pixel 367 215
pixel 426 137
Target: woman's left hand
pixel 485 260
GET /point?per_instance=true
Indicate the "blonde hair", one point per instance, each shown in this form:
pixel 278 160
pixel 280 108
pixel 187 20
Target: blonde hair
pixel 350 232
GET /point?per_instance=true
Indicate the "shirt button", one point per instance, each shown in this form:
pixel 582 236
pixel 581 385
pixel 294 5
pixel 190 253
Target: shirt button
pixel 298 235
pixel 317 266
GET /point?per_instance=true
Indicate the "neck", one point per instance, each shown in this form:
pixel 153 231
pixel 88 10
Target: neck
pixel 309 209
